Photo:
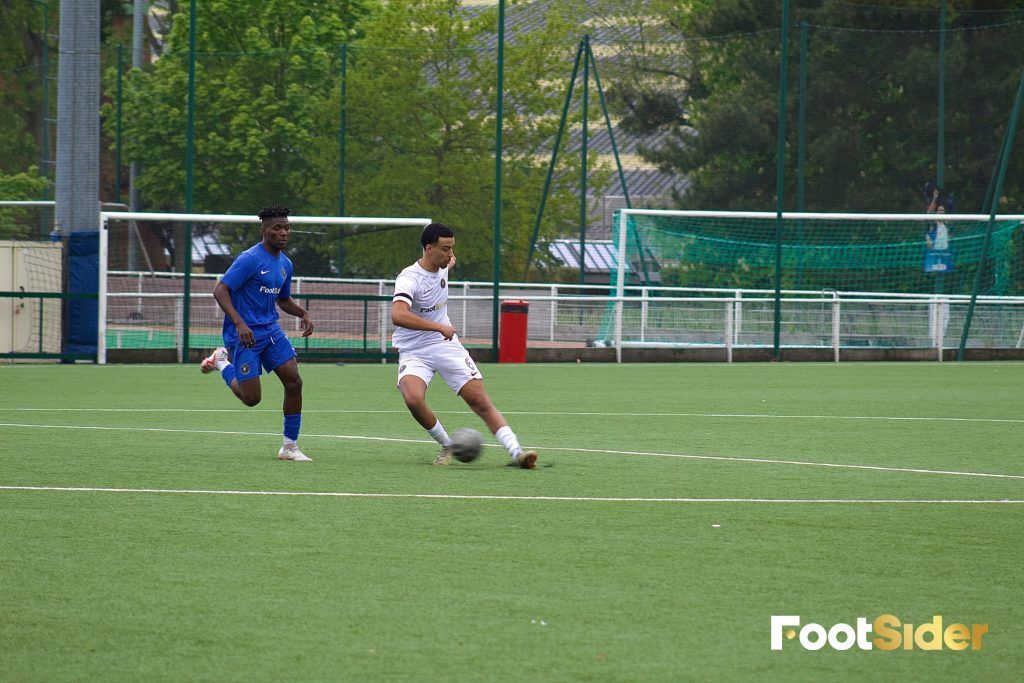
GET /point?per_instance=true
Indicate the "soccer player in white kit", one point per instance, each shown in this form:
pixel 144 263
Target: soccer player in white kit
pixel 427 343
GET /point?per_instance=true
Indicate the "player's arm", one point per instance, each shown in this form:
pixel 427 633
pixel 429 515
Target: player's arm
pixel 402 316
pixel 222 295
pixel 292 307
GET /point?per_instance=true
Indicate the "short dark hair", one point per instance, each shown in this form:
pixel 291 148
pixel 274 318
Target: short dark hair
pixel 434 232
pixel 274 211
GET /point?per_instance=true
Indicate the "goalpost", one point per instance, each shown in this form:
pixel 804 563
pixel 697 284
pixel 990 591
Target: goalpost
pixel 175 304
pixel 914 273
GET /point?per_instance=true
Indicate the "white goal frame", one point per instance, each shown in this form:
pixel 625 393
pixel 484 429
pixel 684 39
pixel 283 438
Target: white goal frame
pixel 620 276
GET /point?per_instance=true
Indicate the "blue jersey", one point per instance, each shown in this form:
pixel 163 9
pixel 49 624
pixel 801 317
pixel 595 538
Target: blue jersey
pixel 257 280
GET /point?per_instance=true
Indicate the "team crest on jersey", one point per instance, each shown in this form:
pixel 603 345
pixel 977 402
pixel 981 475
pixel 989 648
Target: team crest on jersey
pixel 245 368
pixel 442 283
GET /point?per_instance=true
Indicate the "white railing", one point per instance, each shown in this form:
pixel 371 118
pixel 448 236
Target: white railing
pixel 649 317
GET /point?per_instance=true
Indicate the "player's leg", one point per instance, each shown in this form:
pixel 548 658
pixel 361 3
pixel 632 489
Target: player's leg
pixel 414 375
pixel 473 393
pixel 239 367
pixel 414 393
pixel 248 391
pixel 279 356
pixel 461 374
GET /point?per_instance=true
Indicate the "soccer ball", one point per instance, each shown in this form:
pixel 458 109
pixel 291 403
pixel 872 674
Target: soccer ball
pixel 466 445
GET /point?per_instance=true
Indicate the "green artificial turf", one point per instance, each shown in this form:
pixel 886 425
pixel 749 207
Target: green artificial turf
pixel 617 559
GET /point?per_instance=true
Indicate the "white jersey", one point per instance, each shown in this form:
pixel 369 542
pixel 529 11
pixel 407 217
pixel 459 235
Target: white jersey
pixel 427 296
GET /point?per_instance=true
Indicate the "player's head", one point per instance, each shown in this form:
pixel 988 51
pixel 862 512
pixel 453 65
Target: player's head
pixel 433 232
pixel 438 242
pixel 274 226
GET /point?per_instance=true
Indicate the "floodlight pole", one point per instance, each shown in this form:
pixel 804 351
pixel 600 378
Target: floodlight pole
pixel 940 157
pixel 583 160
pixel 190 132
pixel 190 151
pixel 342 122
pixel 780 174
pixel 940 151
pixel 801 149
pixel 44 129
pixel 135 243
pixel 341 130
pixel 117 125
pixel 496 257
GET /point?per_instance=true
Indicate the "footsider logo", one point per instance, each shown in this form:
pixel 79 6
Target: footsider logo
pixel 889 633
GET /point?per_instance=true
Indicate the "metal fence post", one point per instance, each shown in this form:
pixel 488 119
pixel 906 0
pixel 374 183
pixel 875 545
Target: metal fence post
pixel 835 326
pixel 553 309
pixel 940 329
pixel 383 322
pixel 729 313
pixel 643 313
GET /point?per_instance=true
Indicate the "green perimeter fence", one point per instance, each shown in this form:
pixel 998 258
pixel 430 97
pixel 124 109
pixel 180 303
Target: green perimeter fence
pixel 384 118
pixel 879 102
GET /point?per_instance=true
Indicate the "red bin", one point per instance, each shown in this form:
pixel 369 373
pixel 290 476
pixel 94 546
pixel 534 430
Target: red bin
pixel 512 337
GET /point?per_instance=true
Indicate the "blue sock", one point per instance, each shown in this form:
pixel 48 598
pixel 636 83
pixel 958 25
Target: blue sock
pixel 291 426
pixel 228 374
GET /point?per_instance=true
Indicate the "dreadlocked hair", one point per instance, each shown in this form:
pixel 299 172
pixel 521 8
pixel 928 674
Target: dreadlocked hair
pixel 274 211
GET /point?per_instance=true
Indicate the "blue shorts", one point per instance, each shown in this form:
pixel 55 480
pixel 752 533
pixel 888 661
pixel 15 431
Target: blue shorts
pixel 269 351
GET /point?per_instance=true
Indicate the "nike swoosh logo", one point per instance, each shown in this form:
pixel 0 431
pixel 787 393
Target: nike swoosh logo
pixel 264 272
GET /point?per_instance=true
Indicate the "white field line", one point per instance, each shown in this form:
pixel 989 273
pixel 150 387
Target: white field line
pixel 720 458
pixel 591 499
pixel 767 416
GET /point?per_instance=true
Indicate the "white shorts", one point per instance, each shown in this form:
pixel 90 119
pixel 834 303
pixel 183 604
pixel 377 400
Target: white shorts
pixel 449 359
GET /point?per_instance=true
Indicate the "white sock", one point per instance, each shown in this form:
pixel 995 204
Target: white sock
pixel 221 363
pixel 439 435
pixel 508 439
pixel 288 442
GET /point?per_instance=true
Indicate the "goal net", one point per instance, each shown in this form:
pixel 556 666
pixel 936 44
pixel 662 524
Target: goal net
pixel 891 253
pixel 31 283
pixel 159 270
pixel 886 261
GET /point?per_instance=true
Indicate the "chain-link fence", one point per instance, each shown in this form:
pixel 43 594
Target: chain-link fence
pixel 901 109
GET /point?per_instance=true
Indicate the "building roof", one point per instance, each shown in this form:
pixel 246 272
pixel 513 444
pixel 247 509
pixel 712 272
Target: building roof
pixel 600 257
pixel 207 245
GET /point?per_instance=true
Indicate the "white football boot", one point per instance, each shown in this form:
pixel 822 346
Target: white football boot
pixel 209 364
pixel 293 453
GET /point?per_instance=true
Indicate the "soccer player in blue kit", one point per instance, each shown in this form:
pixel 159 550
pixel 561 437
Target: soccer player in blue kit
pixel 257 283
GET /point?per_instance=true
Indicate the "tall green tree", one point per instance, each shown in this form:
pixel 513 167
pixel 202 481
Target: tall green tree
pixel 262 73
pixel 420 137
pixel 22 82
pixel 872 102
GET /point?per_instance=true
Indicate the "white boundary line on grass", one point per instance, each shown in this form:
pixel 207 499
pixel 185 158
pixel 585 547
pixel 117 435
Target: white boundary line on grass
pixel 767 416
pixel 583 499
pixel 721 458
